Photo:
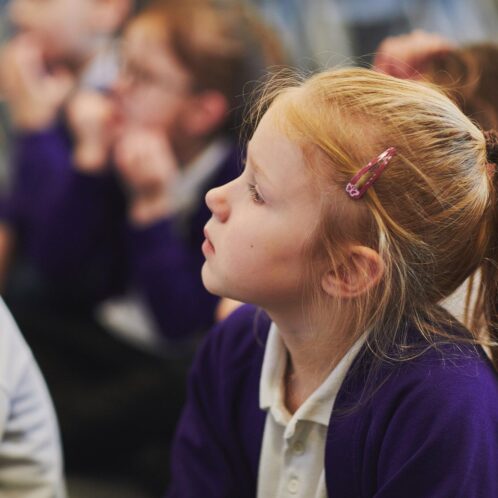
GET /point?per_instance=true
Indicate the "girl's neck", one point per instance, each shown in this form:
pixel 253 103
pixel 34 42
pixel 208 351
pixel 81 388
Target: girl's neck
pixel 313 352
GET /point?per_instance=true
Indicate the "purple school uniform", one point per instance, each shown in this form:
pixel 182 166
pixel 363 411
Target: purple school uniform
pixel 428 428
pixel 40 162
pixel 80 237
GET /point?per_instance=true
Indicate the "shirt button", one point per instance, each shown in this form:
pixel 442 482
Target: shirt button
pixel 298 448
pixel 293 485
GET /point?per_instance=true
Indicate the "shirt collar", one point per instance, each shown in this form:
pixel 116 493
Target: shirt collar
pixel 103 69
pixel 318 407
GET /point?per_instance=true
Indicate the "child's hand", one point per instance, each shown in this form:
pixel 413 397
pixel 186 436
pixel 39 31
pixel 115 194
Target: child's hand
pixel 405 56
pixel 34 95
pixel 148 167
pixel 93 120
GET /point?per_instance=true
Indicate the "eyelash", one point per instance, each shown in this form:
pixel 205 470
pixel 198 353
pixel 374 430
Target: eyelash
pixel 256 196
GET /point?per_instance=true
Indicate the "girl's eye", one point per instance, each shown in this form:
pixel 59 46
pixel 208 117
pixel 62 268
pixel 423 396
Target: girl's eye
pixel 256 196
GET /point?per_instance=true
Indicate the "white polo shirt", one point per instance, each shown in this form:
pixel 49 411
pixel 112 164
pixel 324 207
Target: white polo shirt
pixel 30 450
pixel 293 450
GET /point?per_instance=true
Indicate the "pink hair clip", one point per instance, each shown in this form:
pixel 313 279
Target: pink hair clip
pixel 368 175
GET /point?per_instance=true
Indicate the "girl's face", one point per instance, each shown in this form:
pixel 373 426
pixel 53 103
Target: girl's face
pixel 61 27
pixel 260 224
pixel 154 88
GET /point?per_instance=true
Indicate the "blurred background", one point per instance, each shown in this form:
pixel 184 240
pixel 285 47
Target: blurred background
pixel 116 117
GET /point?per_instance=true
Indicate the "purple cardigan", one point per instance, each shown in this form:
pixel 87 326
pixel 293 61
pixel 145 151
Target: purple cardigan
pixel 40 161
pixel 429 428
pixel 77 235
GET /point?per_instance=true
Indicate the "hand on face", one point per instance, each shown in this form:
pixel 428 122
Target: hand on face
pixel 33 94
pixel 405 56
pixel 94 122
pixel 147 165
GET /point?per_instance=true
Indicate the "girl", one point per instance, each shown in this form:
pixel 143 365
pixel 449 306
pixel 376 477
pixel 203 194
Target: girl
pixel 365 201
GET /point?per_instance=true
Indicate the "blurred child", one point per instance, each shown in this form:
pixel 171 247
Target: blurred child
pixel 467 73
pixel 170 131
pixel 60 45
pixel 365 387
pixel 124 232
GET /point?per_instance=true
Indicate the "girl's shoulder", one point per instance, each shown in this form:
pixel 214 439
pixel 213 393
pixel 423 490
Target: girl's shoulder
pixel 440 379
pixel 448 360
pixel 417 426
pixel 440 362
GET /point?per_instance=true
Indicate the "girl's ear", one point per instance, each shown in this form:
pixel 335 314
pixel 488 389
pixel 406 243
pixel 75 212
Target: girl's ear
pixel 206 114
pixel 109 15
pixel 363 270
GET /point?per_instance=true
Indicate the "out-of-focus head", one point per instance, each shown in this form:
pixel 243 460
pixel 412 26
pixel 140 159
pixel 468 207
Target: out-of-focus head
pixel 186 63
pixel 470 75
pixel 69 29
pixel 155 89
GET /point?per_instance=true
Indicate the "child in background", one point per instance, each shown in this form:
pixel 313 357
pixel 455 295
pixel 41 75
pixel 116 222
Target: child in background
pixel 128 224
pixel 60 45
pixel 467 73
pixel 365 387
pixel 176 110
pixel 405 56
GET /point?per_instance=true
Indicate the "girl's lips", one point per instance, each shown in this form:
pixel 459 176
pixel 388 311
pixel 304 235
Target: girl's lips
pixel 207 246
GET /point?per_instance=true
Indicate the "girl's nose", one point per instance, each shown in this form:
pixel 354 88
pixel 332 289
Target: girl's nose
pixel 217 203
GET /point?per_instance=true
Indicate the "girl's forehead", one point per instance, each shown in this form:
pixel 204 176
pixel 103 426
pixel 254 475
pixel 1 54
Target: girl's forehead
pixel 282 107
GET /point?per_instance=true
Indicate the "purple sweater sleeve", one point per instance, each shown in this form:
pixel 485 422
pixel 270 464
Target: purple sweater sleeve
pixel 430 429
pixel 82 240
pixel 74 223
pixel 167 272
pixel 442 438
pixel 40 163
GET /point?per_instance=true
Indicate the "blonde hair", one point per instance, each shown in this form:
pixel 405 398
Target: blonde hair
pixel 431 216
